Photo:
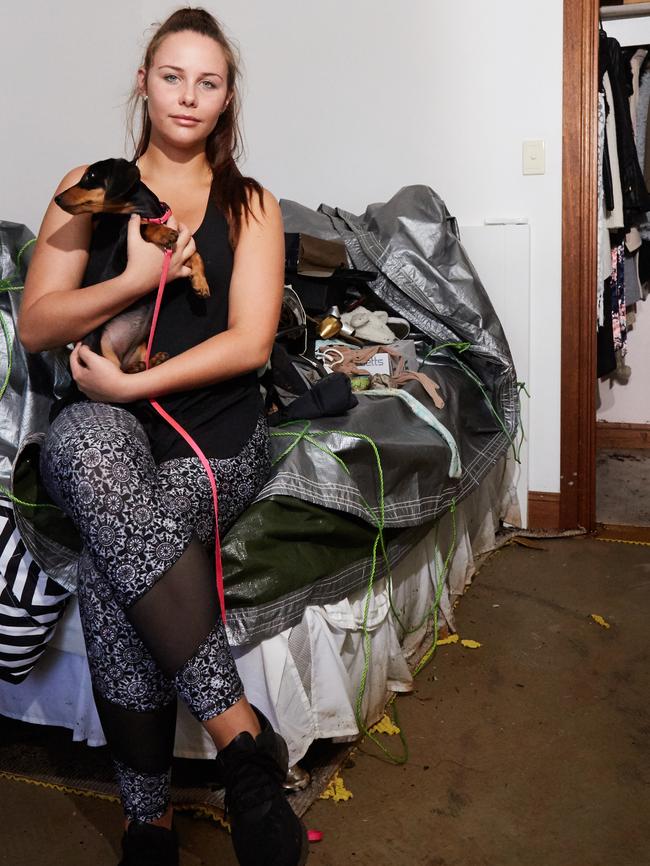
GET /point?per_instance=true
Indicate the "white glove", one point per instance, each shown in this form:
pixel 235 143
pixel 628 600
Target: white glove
pixel 369 325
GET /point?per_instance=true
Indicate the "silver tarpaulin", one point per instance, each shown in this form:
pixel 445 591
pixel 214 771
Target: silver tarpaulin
pixel 382 462
pixel 33 380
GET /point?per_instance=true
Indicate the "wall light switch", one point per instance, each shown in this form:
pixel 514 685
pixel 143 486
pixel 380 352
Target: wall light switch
pixel 533 157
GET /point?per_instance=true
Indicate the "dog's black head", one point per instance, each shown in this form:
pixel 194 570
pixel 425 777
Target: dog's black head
pixel 107 186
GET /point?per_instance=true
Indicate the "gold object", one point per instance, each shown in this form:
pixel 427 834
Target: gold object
pixel 329 327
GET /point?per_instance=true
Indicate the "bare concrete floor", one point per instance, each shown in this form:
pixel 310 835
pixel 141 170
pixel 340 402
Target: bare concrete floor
pixel 623 486
pixel 532 749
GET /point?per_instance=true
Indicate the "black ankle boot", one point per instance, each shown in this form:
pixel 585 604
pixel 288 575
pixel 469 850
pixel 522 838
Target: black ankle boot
pixel 149 845
pixel 265 830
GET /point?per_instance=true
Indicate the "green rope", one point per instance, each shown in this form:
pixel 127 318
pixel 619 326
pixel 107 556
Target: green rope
pixel 426 658
pixel 9 345
pixel 462 347
pixel 475 379
pixel 7 285
pixel 310 437
pixel 6 492
pixel 439 582
pixel 521 387
pixel 378 518
pixel 24 247
pixel 298 438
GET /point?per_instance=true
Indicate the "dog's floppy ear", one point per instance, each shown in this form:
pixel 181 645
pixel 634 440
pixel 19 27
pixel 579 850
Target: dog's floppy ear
pixel 123 178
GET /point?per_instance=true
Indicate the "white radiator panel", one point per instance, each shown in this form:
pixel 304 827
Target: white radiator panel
pixel 501 256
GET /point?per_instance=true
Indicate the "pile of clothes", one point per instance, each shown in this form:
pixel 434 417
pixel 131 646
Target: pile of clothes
pixel 336 337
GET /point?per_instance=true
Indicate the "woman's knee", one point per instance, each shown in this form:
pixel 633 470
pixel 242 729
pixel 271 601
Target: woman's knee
pixel 91 446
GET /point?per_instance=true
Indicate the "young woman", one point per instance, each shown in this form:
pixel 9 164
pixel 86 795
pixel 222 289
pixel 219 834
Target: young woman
pixel 139 496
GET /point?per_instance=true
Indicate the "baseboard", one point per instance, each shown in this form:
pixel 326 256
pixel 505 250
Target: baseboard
pixel 612 434
pixel 543 510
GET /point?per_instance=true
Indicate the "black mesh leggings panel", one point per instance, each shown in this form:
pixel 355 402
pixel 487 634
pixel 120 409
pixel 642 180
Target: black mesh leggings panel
pixel 145 528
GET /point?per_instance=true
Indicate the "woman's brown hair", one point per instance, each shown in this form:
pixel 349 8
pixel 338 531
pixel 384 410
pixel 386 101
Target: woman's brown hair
pixel 231 191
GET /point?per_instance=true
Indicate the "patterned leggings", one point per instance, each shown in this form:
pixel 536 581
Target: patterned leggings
pixel 147 593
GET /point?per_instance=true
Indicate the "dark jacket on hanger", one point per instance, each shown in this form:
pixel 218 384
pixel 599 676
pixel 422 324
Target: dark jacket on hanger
pixel 608 185
pixel 636 199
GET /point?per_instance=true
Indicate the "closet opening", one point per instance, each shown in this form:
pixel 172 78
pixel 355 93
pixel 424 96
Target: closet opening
pixel 622 417
pixel 588 426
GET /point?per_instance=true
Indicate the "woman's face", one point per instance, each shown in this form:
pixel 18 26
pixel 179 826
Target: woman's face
pixel 187 89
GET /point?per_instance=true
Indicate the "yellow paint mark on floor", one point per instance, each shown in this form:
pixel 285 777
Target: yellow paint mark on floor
pixel 336 791
pixel 598 618
pixel 453 638
pixel 385 725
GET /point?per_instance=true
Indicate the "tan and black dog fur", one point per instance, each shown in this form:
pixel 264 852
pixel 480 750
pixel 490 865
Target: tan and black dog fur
pixel 113 186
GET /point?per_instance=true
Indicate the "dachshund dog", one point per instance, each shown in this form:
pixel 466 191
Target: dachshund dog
pixel 113 186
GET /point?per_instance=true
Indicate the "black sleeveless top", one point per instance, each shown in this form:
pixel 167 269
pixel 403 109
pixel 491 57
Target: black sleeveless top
pixel 220 417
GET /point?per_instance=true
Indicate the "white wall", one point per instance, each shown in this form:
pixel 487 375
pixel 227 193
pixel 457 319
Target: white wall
pixel 67 75
pixel 629 31
pixel 629 402
pixel 347 102
pixel 344 104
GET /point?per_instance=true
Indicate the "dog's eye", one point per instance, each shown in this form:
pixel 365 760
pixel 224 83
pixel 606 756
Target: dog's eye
pixel 90 175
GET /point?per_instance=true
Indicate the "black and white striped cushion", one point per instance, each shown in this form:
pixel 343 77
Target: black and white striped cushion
pixel 31 603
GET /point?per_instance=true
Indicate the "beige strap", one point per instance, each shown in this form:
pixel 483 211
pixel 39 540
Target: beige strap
pixel 349 360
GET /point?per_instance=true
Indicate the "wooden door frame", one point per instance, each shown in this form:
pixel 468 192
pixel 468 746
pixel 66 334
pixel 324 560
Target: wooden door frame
pixel 579 265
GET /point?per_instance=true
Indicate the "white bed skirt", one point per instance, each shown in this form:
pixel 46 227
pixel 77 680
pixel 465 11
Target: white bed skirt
pixel 305 680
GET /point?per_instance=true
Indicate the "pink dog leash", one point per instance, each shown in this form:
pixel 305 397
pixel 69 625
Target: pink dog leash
pixel 177 427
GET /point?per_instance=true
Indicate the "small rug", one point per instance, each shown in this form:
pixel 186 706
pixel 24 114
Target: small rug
pixel 47 756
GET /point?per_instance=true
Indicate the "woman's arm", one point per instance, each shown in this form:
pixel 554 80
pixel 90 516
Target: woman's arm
pixel 255 299
pixel 54 309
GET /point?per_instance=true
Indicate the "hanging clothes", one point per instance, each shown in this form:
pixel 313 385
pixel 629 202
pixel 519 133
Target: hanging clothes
pixel 622 196
pixel 604 258
pixel 636 199
pixel 614 219
pixel 619 320
pixel 636 62
pixel 642 139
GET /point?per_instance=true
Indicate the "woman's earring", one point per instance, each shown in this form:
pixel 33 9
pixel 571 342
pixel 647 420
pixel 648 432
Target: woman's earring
pixel 144 97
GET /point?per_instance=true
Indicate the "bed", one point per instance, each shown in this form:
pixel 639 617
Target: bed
pixel 367 520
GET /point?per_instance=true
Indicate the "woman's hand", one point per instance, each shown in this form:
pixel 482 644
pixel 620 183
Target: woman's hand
pixel 99 378
pixel 145 260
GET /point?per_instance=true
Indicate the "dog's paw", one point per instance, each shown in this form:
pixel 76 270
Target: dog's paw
pixel 200 285
pixel 199 282
pixel 161 235
pixel 158 358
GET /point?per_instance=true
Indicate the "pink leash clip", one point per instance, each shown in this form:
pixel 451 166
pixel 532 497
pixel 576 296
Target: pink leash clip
pixel 186 436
